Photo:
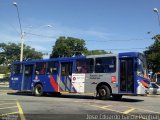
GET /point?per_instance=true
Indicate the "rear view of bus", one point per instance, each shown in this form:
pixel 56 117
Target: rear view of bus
pixel 132 74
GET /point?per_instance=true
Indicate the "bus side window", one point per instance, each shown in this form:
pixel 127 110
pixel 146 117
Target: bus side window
pixel 105 65
pixel 84 66
pixel 52 67
pixel 40 68
pixel 99 68
pixel 28 70
pixel 91 65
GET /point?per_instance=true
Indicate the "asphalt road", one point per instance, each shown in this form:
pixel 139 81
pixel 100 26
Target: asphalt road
pixel 25 106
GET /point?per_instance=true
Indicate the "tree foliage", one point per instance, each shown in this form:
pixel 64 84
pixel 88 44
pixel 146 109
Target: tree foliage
pixel 4 69
pixel 68 47
pixel 97 52
pixel 153 55
pixel 11 52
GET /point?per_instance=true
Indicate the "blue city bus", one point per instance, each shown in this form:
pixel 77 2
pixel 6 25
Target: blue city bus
pixel 105 75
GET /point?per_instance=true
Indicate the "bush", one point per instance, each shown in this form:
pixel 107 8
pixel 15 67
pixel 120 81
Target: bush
pixel 4 70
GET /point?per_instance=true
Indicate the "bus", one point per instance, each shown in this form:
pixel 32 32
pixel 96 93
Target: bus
pixel 109 75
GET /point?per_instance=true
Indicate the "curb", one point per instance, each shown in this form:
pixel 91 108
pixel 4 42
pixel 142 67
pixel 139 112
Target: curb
pixel 8 91
pixel 154 95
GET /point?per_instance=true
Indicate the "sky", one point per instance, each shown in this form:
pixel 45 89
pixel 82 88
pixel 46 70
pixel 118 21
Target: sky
pixel 111 25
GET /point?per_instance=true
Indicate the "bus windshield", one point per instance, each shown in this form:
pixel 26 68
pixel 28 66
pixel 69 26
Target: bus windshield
pixel 141 65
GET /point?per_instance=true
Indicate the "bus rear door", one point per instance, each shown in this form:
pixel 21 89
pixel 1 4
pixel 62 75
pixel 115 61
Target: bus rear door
pixel 126 75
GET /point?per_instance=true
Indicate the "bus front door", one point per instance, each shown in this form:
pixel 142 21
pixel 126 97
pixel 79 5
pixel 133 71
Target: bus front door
pixel 66 75
pixel 126 75
pixel 27 79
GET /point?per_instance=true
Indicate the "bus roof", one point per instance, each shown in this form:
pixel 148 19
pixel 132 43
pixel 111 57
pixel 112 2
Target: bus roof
pixel 129 54
pixel 121 55
pixel 102 55
pixel 51 59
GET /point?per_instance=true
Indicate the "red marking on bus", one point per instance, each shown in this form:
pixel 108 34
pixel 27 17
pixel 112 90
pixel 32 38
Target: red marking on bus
pixel 113 79
pixel 144 83
pixel 53 83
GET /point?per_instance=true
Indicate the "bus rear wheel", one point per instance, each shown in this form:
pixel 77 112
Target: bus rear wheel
pixel 104 92
pixel 38 90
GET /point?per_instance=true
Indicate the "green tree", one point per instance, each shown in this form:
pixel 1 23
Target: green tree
pixel 10 52
pixel 68 47
pixel 4 69
pixel 153 55
pixel 97 52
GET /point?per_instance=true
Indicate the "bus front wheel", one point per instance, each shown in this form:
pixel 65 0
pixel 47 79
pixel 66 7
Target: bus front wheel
pixel 104 92
pixel 38 90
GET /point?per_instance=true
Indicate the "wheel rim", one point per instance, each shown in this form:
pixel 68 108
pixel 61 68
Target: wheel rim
pixel 38 89
pixel 102 92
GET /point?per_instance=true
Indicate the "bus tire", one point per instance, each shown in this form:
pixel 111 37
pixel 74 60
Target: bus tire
pixel 117 97
pixel 104 92
pixel 38 90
